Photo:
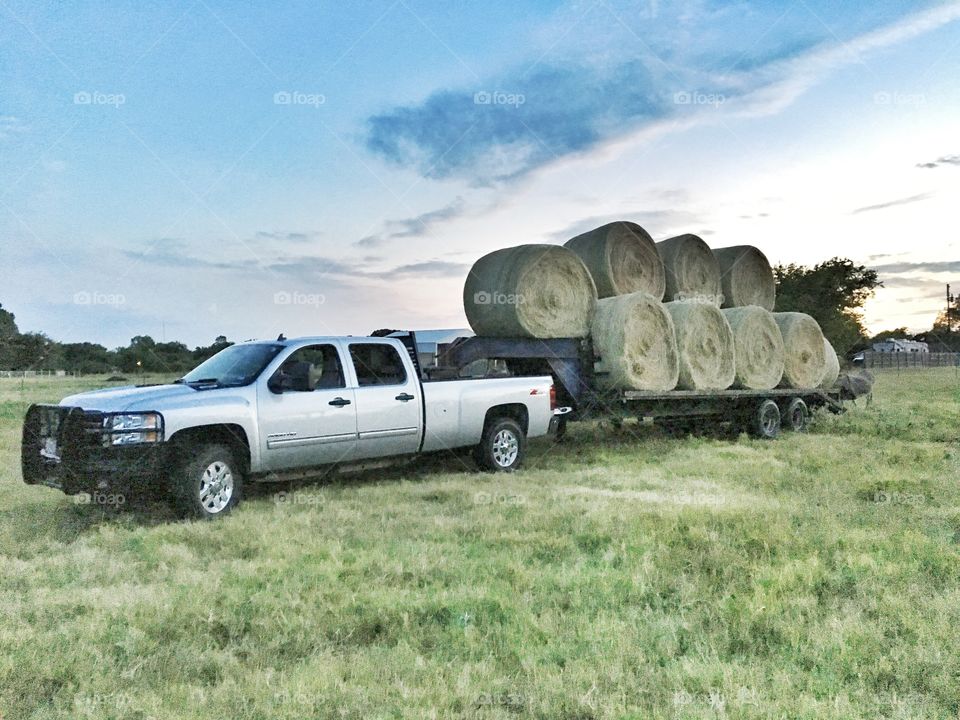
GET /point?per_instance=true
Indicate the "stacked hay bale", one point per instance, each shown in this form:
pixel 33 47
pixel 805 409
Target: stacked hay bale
pixel 746 277
pixel 705 346
pixel 758 345
pixel 691 269
pixel 622 258
pixel 540 291
pixel 608 283
pixel 832 372
pixel 635 339
pixel 805 362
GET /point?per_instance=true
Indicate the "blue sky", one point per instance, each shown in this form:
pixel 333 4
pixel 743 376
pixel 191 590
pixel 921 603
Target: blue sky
pixel 201 168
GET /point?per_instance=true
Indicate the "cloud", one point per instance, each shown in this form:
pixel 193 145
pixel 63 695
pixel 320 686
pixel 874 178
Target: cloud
pixel 412 227
pixel 430 268
pixel 656 222
pixel 519 122
pixel 944 160
pixel 10 126
pixel 951 266
pixel 288 236
pixel 169 252
pixel 534 115
pixel 311 268
pixel 894 203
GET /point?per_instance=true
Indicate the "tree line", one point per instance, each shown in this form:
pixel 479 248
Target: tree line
pixel 36 351
pixel 833 292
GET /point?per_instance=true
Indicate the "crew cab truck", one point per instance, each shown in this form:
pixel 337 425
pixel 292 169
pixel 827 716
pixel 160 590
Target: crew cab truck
pixel 263 411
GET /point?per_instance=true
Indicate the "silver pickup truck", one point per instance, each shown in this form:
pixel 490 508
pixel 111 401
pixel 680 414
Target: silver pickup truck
pixel 262 411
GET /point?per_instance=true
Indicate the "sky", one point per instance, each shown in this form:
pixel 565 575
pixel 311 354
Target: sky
pixel 190 169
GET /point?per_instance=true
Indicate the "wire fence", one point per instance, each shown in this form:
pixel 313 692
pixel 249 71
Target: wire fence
pixel 906 360
pixel 39 373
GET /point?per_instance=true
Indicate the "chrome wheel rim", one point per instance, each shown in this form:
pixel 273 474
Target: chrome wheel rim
pixel 216 487
pixel 506 447
pixel 769 421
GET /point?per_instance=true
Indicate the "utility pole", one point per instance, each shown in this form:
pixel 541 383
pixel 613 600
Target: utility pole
pixel 950 301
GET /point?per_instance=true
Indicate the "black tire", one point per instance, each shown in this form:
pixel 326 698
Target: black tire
pixel 208 483
pixel 797 415
pixel 502 447
pixel 766 420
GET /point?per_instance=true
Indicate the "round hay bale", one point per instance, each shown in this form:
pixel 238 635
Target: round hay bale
pixel 542 291
pixel 634 337
pixel 622 258
pixel 758 346
pixel 805 361
pixel 691 270
pixel 746 277
pixel 832 364
pixel 705 346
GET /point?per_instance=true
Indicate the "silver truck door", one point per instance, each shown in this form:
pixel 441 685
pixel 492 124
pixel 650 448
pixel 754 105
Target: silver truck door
pixel 388 400
pixel 310 416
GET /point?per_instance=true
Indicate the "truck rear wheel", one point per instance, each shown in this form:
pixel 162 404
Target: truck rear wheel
pixel 502 447
pixel 766 420
pixel 208 483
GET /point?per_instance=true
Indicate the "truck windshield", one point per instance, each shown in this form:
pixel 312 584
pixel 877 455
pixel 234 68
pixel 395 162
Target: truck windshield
pixel 235 365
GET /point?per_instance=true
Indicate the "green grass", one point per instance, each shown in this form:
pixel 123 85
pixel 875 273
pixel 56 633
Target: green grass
pixel 622 575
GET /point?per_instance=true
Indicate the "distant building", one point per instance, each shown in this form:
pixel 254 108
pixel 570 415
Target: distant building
pixel 901 346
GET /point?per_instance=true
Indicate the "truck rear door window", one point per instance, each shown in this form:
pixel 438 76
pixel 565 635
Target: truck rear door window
pixel 377 364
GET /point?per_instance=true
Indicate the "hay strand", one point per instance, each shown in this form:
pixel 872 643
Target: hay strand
pixel 832 372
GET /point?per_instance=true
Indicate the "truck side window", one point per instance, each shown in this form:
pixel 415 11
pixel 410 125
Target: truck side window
pixel 316 367
pixel 377 364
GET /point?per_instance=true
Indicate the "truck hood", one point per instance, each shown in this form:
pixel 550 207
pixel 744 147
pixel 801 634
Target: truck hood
pixel 155 397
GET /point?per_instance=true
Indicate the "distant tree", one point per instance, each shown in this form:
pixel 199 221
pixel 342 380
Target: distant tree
pixel 8 331
pixel 944 336
pixel 202 353
pixel 8 326
pixel 833 293
pixel 900 332
pixel 33 351
pixel 87 358
pixel 138 355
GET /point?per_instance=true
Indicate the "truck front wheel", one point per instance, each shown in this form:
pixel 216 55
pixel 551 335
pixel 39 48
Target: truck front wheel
pixel 502 447
pixel 208 483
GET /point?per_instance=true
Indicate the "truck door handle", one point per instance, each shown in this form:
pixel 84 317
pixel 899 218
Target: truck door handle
pixel 339 402
pixel 404 397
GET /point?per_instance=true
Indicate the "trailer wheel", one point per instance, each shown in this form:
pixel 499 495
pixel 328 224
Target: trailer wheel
pixel 766 420
pixel 797 415
pixel 677 427
pixel 502 447
pixel 209 482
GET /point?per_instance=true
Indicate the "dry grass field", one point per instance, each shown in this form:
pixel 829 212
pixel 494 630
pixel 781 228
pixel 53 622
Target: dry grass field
pixel 623 574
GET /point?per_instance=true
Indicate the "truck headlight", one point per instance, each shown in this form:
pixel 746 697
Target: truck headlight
pixel 134 428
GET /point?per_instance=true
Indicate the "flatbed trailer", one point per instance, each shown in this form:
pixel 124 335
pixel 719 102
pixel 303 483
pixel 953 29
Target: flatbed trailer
pixel 571 362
